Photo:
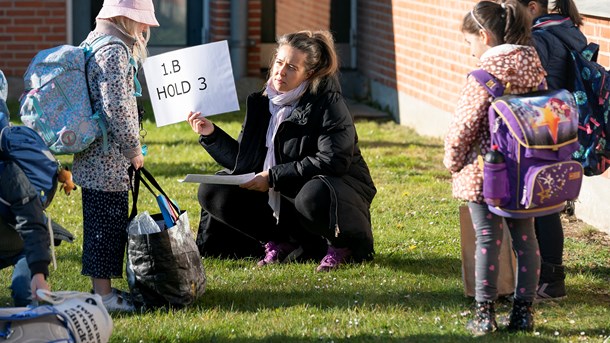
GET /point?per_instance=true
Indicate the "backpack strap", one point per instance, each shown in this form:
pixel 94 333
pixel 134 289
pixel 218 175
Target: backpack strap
pixel 99 42
pixel 492 85
pixel 90 49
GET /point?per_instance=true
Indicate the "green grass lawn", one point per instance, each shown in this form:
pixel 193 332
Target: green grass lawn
pixel 411 292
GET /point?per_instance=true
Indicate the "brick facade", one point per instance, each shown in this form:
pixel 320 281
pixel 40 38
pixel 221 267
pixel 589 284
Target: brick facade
pixel 598 31
pixel 415 47
pixel 302 15
pixel 411 47
pixel 254 35
pixel 27 27
pixel 220 20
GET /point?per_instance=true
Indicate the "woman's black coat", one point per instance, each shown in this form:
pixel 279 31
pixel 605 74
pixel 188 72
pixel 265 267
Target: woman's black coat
pixel 317 139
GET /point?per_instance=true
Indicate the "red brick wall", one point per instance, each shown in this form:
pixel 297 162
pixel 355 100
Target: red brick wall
pixel 254 35
pixel 376 51
pixel 220 20
pixel 302 15
pixel 413 46
pixel 27 27
pixel 416 47
pixel 598 31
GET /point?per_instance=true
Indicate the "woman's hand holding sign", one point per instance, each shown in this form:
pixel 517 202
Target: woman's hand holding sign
pixel 200 124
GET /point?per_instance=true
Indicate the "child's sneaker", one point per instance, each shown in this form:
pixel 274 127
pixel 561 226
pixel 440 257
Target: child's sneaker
pixel 552 285
pixel 334 257
pixel 280 253
pixel 116 301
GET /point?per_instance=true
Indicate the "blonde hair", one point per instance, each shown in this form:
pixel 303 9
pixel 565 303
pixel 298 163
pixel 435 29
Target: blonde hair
pixel 133 29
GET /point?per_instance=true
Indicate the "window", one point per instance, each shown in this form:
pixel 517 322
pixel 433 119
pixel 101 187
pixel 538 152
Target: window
pixel 171 15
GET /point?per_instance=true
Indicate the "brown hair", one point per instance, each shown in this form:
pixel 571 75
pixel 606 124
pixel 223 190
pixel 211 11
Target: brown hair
pixel 566 8
pixel 508 23
pixel 319 48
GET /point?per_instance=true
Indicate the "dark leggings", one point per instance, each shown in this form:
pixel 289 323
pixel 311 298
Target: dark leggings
pixel 488 229
pixel 550 238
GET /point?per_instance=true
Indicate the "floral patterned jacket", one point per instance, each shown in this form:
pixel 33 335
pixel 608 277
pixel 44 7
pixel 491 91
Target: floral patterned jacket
pixel 111 87
pixel 468 136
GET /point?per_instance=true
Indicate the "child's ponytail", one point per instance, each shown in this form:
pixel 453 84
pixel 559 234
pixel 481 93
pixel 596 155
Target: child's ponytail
pixel 567 8
pixel 517 28
pixel 508 22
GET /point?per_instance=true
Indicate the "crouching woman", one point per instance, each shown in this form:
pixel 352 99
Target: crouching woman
pixel 312 191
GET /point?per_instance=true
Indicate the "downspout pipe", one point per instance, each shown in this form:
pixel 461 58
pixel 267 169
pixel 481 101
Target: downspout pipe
pixel 205 30
pixel 239 38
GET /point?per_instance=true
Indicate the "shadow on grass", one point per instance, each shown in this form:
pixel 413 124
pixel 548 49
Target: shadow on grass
pixel 253 300
pixel 6 301
pixel 449 337
pixel 405 145
pixel 597 271
pixel 588 334
pixel 439 266
pixel 380 120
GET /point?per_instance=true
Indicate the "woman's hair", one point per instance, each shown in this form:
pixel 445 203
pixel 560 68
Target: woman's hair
pixel 321 58
pixel 566 8
pixel 508 23
pixel 133 29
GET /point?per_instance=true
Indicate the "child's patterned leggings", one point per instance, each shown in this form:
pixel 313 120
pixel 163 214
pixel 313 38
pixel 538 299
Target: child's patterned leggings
pixel 488 229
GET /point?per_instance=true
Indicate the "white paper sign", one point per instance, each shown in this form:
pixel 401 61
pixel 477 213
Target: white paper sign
pixel 219 179
pixel 197 78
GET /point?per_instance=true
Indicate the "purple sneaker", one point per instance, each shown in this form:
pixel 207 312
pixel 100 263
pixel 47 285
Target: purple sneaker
pixel 334 257
pixel 280 253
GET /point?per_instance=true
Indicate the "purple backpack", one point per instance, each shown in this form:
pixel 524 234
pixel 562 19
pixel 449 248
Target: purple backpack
pixel 530 172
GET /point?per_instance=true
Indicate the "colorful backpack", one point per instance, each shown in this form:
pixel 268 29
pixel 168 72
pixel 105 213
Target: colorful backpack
pixel 530 171
pixel 56 102
pixel 590 83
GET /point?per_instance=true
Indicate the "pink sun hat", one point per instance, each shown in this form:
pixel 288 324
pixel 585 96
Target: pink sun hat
pixel 142 11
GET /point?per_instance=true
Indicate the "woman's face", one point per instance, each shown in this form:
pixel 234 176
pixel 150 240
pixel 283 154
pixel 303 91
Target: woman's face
pixel 289 69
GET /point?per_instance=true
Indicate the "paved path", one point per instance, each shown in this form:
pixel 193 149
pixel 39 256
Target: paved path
pixel 360 110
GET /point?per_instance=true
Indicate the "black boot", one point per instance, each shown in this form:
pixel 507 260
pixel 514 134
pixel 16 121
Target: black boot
pixel 521 317
pixel 552 284
pixel 484 321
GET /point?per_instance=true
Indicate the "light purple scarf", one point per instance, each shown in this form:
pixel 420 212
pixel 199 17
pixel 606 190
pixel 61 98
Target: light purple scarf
pixel 280 106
